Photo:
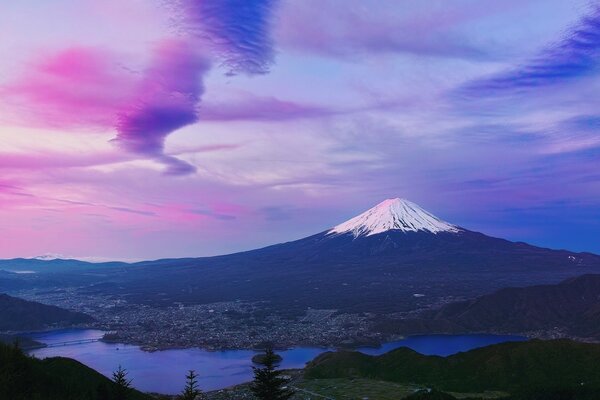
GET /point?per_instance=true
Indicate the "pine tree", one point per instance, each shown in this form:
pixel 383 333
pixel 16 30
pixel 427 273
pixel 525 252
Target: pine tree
pixel 268 383
pixel 191 390
pixel 122 384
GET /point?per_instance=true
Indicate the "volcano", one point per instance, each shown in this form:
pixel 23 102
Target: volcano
pixel 394 257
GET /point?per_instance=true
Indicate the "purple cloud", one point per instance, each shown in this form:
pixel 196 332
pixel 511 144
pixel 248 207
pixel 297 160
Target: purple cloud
pixel 167 100
pixel 260 108
pixel 575 55
pixel 384 27
pixel 84 88
pixel 238 31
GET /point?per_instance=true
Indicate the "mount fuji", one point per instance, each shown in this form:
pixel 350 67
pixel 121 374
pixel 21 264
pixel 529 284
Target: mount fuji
pixel 395 257
pixel 394 214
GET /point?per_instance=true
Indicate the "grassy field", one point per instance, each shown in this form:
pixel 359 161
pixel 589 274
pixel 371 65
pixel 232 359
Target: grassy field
pixel 485 395
pixel 353 389
pixel 343 389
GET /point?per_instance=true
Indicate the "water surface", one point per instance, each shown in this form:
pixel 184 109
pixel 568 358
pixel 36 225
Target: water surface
pixel 164 371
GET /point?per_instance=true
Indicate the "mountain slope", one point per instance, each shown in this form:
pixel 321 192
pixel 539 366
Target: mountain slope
pixel 57 378
pixel 356 267
pixel 373 263
pixel 46 264
pixel 572 307
pixel 22 315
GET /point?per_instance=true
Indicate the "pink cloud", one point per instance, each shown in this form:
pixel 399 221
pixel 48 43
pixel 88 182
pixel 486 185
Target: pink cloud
pixel 85 88
pixel 75 88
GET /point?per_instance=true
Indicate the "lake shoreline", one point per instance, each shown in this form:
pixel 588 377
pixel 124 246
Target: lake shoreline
pixel 163 371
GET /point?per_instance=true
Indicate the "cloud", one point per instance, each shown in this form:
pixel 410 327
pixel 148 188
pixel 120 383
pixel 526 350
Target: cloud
pixel 213 214
pixel 166 100
pixel 260 108
pixel 86 89
pixel 575 55
pixel 79 87
pixel 104 206
pixel 353 28
pixel 238 31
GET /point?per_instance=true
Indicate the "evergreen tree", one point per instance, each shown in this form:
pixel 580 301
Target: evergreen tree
pixel 268 383
pixel 122 384
pixel 191 390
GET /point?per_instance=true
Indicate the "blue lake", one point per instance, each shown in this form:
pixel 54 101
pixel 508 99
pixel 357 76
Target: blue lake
pixel 164 371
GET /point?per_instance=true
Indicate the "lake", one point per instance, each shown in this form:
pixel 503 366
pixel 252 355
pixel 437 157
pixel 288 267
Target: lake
pixel 164 371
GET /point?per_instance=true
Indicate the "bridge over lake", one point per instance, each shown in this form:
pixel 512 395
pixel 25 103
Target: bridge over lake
pixel 73 342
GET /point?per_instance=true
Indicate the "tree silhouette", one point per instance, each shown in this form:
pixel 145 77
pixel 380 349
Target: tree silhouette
pixel 191 390
pixel 268 383
pixel 122 384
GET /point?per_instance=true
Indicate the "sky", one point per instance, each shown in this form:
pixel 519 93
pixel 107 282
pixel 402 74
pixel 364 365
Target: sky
pixel 143 129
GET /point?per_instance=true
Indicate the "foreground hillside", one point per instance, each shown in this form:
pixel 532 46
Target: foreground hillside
pixel 22 315
pixel 511 367
pixel 570 308
pixel 26 378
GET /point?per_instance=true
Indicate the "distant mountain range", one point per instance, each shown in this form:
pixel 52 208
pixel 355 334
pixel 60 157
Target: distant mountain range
pixel 571 308
pixel 395 257
pixel 22 315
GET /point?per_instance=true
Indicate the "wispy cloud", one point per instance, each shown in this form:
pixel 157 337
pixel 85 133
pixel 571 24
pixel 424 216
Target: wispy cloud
pixel 575 55
pixel 256 108
pixel 74 88
pixel 238 31
pixel 87 89
pixel 383 27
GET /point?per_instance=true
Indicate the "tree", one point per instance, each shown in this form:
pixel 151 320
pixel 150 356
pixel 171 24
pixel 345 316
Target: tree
pixel 268 383
pixel 191 390
pixel 122 384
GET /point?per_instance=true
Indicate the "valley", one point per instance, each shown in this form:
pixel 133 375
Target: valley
pixel 337 288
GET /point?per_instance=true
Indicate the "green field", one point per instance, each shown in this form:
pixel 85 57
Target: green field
pixel 352 389
pixel 358 389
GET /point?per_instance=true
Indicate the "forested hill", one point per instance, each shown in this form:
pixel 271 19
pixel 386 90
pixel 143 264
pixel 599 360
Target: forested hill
pixel 22 315
pixel 572 307
pixel 27 378
pixel 511 367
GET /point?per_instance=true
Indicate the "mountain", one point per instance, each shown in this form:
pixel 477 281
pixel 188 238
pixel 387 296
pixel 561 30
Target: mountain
pixel 395 257
pixel 571 307
pixel 22 315
pixel 57 378
pixel 375 262
pixel 51 264
pixel 509 367
pixel 393 215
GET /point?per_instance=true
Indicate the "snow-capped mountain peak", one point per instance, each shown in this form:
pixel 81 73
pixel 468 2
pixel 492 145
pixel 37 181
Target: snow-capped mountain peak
pixel 49 257
pixel 394 214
